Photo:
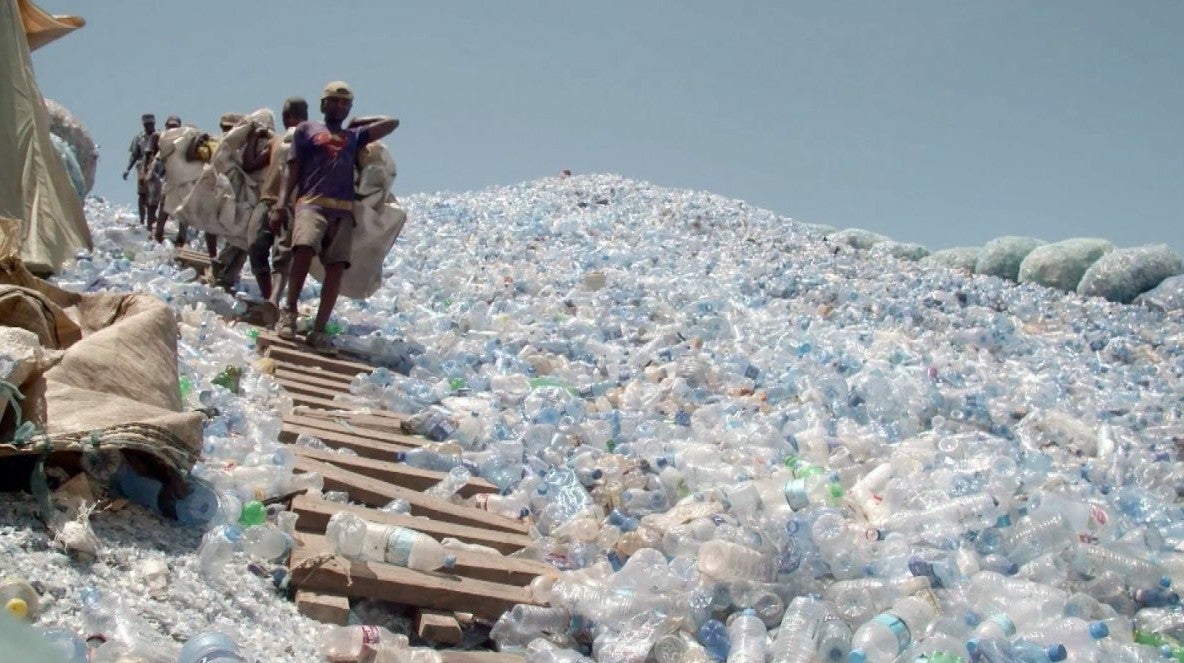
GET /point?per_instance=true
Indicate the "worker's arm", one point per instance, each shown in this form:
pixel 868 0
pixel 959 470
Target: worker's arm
pixel 133 156
pixel 279 211
pixel 377 126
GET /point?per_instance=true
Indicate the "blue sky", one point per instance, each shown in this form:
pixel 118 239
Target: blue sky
pixel 931 121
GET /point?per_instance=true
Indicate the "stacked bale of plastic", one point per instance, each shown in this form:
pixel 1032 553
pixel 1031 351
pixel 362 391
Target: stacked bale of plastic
pixel 1061 265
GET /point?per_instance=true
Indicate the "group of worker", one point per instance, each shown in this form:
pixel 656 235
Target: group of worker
pixel 305 180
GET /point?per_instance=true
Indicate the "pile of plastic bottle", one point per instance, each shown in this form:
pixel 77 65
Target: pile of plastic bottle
pixel 738 442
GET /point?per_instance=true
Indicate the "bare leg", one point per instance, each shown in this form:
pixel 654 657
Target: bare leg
pixel 212 245
pixel 142 206
pixel 330 288
pixel 160 221
pixel 279 284
pixel 301 261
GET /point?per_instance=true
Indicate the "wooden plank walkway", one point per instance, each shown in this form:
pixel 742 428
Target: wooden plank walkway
pixel 437 590
pixel 482 584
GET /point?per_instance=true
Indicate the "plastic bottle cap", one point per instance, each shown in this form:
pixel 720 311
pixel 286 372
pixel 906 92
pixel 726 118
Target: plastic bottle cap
pixel 857 656
pixel 253 513
pixel 971 646
pixel 1165 582
pixel 1098 630
pixel 1057 653
pixel 17 608
pixel 449 561
pixel 400 456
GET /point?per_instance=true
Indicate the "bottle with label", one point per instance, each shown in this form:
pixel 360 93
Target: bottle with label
pixel 364 541
pixel 361 643
pixel 888 634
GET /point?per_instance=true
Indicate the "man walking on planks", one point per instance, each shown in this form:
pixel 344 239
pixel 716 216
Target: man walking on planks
pixel 320 177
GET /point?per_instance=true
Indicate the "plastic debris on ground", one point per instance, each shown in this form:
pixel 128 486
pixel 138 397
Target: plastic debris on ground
pixel 733 441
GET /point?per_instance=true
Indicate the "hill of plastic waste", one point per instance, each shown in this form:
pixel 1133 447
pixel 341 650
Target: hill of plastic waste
pixel 772 416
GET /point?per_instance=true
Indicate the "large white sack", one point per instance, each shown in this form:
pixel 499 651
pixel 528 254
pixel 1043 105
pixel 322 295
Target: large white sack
pixel 209 205
pixel 378 219
pixel 180 172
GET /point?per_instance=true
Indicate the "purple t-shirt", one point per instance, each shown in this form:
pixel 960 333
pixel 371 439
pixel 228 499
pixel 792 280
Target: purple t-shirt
pixel 326 163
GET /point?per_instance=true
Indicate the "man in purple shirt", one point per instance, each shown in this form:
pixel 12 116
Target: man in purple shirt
pixel 320 179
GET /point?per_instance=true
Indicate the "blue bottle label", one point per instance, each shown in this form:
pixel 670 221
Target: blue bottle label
pixel 1004 623
pixel 398 546
pixel 795 494
pixel 898 628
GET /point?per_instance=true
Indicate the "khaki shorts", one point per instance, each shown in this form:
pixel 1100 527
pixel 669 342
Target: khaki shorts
pixel 332 239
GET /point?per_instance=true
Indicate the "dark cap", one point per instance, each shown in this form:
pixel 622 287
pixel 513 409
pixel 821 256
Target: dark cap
pixel 294 105
pixel 147 117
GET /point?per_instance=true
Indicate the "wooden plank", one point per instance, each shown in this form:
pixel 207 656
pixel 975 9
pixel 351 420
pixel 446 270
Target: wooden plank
pixel 347 427
pixel 301 387
pixel 436 626
pixel 339 385
pixel 364 447
pixel 315 568
pixel 399 474
pixel 317 402
pixel 383 420
pixel 315 372
pixel 314 516
pixel 463 656
pixel 326 608
pixel 376 493
pixel 307 358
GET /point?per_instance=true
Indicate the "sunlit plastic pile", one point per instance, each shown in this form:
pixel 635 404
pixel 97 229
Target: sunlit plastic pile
pixel 737 441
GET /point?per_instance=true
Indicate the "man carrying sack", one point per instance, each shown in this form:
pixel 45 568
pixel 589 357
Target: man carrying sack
pixel 320 177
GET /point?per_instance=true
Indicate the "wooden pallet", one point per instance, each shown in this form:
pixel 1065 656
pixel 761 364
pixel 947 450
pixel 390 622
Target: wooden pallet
pixel 313 567
pixel 481 584
pixel 198 260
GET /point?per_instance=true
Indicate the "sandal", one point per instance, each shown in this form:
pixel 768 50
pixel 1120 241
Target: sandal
pixel 285 327
pixel 321 344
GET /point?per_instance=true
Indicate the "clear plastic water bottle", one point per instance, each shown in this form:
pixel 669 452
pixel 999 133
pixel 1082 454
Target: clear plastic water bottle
pixel 888 634
pixel 747 635
pixel 217 548
pixel 797 637
pixel 678 647
pixel 69 646
pixel 361 644
pixel 266 542
pixel 859 600
pixel 361 540
pixel 834 639
pixel 452 482
pixel 725 560
pixel 541 650
pixel 426 458
pixel 713 635
pixel 19 599
pixel 211 647
pixel 1017 651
